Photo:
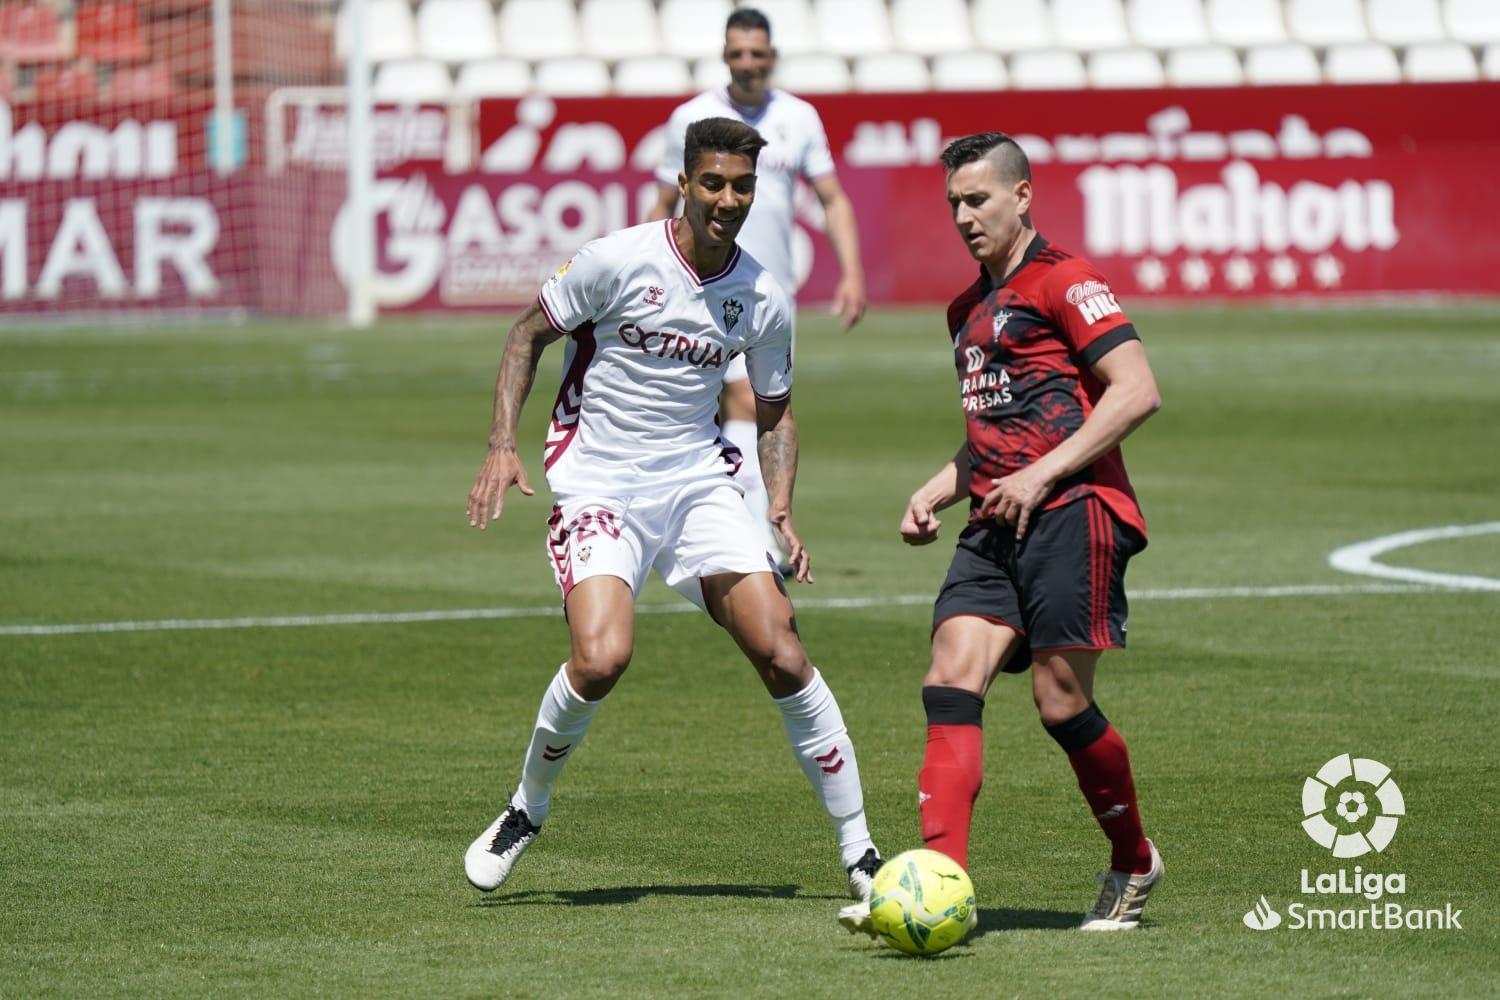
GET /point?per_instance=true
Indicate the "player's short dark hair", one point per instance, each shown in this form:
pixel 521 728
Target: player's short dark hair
pixel 720 135
pixel 749 19
pixel 1009 159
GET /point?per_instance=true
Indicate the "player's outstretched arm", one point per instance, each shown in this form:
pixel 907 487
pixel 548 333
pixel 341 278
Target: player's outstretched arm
pixel 843 233
pixel 777 447
pixel 1130 396
pixel 502 467
pixel 920 525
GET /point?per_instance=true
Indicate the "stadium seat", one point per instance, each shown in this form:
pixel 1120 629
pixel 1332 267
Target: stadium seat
pixel 618 29
pixel 652 75
pixel 1366 62
pixel 389 27
pixel 1440 62
pixel 1049 69
pixel 572 76
pixel 1282 64
pixel 853 27
pixel 1012 25
pixel 1204 66
pixel 493 78
pixel 891 71
pixel 408 80
pixel 149 82
pixel 31 32
pixel 711 73
pixel 969 71
pixel 1241 23
pixel 56 83
pixel 1326 22
pixel 693 29
pixel 1166 24
pixel 931 27
pixel 1405 22
pixel 110 32
pixel 813 74
pixel 1089 25
pixel 456 31
pixel 794 31
pixel 1119 68
pixel 1474 21
pixel 539 29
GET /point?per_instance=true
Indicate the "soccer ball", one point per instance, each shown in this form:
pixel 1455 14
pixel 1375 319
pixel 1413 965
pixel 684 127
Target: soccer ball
pixel 922 903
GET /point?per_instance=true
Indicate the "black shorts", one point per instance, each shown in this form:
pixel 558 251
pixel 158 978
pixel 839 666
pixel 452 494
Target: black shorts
pixel 1063 587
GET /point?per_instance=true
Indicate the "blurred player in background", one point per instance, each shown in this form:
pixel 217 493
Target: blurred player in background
pixel 1052 377
pixel 796 148
pixel 654 314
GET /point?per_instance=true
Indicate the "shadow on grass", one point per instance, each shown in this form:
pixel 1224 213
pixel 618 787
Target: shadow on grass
pixel 635 893
pixel 995 921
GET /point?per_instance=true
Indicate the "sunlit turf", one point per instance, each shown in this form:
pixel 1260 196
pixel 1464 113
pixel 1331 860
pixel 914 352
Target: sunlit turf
pixel 284 811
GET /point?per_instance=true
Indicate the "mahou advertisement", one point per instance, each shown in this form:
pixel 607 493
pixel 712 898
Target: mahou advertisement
pixel 1257 193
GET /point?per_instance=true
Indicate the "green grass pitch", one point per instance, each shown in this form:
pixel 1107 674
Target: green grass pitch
pixel 283 811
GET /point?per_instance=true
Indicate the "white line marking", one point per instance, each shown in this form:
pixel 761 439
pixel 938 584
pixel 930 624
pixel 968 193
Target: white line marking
pixel 826 604
pixel 1359 558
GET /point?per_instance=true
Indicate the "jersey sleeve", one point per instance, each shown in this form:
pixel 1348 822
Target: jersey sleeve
pixel 1083 308
pixel 769 358
pixel 817 158
pixel 672 150
pixel 578 292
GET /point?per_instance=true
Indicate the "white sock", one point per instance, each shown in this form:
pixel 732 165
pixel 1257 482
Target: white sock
pixel 560 724
pixel 742 434
pixel 822 746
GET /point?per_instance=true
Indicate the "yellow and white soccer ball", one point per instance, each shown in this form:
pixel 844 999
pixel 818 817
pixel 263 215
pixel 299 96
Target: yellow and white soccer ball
pixel 922 903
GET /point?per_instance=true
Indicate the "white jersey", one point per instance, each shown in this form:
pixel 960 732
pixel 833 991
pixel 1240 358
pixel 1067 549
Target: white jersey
pixel 648 342
pixel 796 147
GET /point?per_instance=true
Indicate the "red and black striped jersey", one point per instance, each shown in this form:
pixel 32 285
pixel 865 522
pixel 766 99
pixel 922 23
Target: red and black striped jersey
pixel 1024 347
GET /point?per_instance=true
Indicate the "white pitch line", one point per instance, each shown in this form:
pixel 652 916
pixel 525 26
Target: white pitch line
pixel 816 604
pixel 1360 560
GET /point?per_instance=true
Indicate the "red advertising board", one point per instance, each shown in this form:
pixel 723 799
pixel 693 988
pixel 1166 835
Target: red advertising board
pixel 1230 193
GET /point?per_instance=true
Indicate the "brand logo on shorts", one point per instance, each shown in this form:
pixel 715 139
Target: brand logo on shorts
pixel 973 359
pixel 1339 822
pixel 732 310
pixel 654 296
pixel 584 553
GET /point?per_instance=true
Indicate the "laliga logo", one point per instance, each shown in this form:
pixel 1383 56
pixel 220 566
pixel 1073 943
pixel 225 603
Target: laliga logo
pixel 1344 830
pixel 1263 917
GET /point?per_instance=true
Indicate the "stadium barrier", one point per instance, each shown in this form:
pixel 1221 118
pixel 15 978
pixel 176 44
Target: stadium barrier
pixel 1274 192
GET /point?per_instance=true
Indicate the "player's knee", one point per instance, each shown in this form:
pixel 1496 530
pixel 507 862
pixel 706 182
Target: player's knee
pixel 597 662
pixel 1057 701
pixel 784 665
pixel 955 670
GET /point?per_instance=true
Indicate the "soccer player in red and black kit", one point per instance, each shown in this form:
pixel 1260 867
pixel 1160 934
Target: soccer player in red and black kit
pixel 1052 378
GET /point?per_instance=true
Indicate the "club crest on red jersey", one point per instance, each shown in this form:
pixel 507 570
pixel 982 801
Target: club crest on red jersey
pixel 1001 318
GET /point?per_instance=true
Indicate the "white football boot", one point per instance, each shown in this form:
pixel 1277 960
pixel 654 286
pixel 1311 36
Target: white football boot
pixel 1122 897
pixel 493 854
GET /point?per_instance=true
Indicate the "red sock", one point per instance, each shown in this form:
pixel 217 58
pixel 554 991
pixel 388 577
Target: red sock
pixel 1103 769
pixel 947 785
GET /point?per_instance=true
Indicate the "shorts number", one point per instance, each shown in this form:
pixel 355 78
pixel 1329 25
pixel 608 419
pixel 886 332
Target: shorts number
pixel 592 522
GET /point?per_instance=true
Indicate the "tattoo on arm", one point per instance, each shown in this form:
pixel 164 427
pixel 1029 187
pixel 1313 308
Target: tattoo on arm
pixel 523 350
pixel 777 448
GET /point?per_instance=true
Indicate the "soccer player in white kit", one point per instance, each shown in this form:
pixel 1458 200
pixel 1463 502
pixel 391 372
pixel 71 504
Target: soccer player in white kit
pixel 653 315
pixel 796 148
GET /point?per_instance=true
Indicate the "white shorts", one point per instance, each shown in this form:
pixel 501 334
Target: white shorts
pixel 685 534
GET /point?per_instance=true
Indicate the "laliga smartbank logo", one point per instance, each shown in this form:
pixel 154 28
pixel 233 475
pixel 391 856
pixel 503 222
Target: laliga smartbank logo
pixel 1352 807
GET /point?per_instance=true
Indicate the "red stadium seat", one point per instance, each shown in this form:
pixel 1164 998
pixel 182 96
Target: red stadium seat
pixel 151 82
pixel 111 32
pixel 31 32
pixel 66 83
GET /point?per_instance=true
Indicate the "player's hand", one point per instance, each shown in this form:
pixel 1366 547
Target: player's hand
pixel 849 301
pixel 920 524
pixel 796 553
pixel 502 470
pixel 1014 498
